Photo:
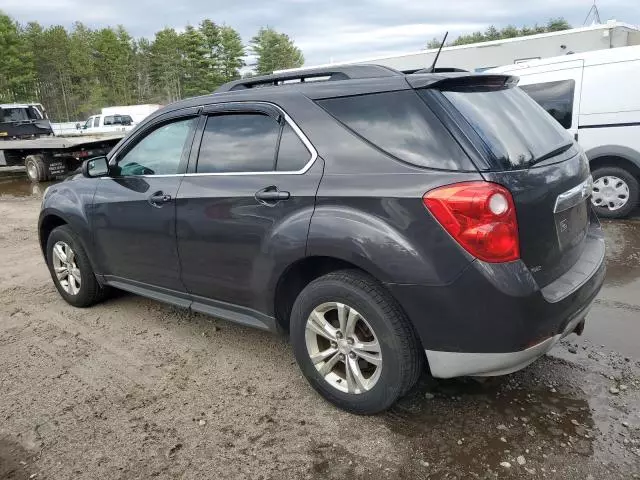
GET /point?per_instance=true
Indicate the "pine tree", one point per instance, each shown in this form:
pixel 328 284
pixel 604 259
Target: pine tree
pixel 230 53
pixel 275 51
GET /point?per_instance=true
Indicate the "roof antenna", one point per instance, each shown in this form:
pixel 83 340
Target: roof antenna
pixel 432 68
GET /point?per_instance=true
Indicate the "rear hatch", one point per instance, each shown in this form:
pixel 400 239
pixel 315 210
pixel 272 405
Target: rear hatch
pixel 521 147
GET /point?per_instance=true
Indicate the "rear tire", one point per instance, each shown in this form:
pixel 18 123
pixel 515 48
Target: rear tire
pixel 37 170
pixel 378 321
pixel 608 175
pixel 71 270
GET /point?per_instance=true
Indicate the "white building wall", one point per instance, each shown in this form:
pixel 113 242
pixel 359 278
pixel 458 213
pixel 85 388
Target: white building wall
pixel 509 51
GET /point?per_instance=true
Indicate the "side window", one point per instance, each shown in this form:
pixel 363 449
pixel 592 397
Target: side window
pixel 96 121
pixel 108 120
pixel 402 125
pixel 555 97
pixel 160 152
pixel 240 142
pixel 293 155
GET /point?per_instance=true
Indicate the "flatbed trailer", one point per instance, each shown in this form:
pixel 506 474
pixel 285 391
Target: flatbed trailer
pixel 46 158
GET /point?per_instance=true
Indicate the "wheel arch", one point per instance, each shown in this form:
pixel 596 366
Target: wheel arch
pixel 299 274
pixel 46 225
pixel 615 156
pixel 49 220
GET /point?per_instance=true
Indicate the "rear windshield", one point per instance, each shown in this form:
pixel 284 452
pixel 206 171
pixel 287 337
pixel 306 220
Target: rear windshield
pixel 516 130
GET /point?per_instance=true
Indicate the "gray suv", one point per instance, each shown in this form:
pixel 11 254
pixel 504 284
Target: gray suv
pixel 383 221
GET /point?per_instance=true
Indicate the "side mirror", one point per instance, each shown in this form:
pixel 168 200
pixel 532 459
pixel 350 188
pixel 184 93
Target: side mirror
pixel 78 126
pixel 95 167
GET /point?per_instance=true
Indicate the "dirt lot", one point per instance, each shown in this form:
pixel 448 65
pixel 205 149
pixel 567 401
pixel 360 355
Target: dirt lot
pixel 136 389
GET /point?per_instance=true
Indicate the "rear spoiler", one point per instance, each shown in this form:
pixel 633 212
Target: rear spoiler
pixel 463 82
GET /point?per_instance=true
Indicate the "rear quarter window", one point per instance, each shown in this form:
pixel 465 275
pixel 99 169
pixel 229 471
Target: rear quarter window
pixel 401 125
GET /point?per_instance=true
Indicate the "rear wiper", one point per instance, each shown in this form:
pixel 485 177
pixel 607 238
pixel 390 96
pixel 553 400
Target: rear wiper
pixel 554 152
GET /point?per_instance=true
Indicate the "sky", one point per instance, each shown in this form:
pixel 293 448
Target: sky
pixel 326 31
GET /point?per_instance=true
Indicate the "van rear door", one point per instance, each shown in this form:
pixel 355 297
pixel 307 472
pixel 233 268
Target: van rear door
pixel 557 88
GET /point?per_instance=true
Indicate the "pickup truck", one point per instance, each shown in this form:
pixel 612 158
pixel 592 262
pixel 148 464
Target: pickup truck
pixel 106 124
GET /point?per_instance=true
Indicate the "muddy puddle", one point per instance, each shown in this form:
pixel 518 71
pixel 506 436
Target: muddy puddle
pixel 527 425
pixel 21 187
pixel 491 423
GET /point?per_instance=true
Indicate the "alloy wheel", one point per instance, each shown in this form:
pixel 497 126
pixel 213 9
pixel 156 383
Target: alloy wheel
pixel 343 347
pixel 66 269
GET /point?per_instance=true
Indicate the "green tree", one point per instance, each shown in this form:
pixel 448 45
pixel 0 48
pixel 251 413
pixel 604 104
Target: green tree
pixel 196 62
pixel 510 31
pixel 557 24
pixel 231 53
pixel 114 65
pixel 142 68
pixel 17 68
pixel 435 42
pixel 275 51
pixel 86 94
pixel 166 65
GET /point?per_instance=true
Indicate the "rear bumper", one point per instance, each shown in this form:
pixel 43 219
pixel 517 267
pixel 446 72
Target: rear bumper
pixel 459 364
pixel 494 319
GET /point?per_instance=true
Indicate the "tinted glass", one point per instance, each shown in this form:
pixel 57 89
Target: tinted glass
pixel 292 155
pixel 401 124
pixel 14 114
pixel 158 153
pixel 108 120
pixel 34 114
pixel 516 130
pixel 555 97
pixel 96 122
pixel 238 143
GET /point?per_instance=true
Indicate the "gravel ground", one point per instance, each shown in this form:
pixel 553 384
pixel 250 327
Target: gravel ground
pixel 133 388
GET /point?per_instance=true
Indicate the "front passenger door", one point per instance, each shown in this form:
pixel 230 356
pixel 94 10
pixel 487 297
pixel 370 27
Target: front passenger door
pixel 134 212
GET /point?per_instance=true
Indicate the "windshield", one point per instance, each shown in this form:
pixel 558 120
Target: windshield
pixel 517 131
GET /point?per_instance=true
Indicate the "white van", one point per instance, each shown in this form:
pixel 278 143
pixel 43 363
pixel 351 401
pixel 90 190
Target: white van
pixel 596 96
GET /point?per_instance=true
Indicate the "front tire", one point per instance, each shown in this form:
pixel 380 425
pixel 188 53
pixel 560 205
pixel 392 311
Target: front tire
pixel 353 343
pixel 615 192
pixel 70 269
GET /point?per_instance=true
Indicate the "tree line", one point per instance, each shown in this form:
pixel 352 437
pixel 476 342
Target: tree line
pixel 75 72
pixel 510 31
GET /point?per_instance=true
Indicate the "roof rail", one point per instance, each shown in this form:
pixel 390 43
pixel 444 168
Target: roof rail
pixel 339 72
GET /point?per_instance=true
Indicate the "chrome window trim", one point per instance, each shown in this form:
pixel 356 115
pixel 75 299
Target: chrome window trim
pixel 307 143
pixel 310 148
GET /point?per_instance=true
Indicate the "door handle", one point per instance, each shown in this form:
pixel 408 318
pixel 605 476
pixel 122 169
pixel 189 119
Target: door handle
pixel 159 198
pixel 271 195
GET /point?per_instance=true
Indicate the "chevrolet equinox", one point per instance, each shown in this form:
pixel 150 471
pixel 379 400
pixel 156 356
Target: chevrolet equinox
pixel 383 221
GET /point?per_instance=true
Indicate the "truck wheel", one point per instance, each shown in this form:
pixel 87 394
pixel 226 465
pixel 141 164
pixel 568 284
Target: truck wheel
pixel 615 192
pixel 37 170
pixel 353 343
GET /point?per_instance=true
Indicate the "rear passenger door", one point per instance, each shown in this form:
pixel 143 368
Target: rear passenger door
pixel 244 207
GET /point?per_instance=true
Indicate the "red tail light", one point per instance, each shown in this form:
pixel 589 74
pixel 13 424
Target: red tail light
pixel 480 216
